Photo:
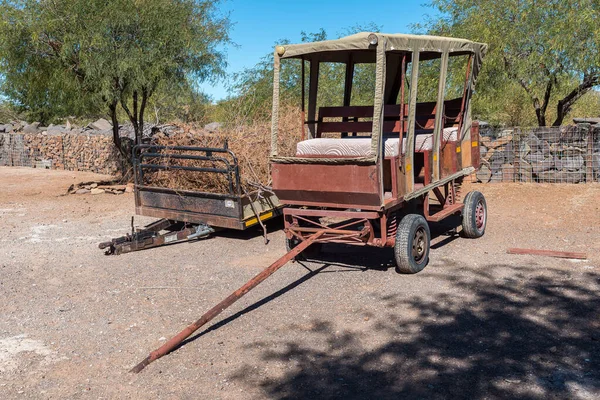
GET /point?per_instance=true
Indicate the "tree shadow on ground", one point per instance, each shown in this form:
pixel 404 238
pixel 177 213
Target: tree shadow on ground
pixel 497 332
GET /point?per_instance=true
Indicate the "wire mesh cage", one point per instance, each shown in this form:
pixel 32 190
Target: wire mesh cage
pixel 565 154
pixel 68 151
pixel 14 152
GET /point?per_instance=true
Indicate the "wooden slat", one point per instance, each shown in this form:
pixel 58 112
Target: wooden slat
pixel 424 116
pixel 362 126
pixel 365 126
pixel 548 253
pixel 350 111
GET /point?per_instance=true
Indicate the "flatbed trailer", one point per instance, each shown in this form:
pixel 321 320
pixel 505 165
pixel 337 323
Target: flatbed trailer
pixel 191 214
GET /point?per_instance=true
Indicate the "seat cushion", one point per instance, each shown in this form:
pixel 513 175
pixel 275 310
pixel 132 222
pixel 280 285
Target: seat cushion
pixel 353 146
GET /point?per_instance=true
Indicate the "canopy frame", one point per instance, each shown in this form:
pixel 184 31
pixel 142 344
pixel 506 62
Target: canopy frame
pixel 359 48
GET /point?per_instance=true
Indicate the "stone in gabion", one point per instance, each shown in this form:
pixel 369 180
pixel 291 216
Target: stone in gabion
pixel 572 163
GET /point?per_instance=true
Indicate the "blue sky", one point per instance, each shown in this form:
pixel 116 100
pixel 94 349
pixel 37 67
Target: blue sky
pixel 259 24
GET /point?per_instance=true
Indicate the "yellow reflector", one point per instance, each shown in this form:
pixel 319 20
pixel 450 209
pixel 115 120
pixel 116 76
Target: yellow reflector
pixel 474 144
pixel 435 157
pixel 458 149
pixel 253 221
pixel 408 167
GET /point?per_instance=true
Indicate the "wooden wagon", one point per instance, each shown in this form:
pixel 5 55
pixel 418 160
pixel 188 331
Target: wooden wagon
pixel 382 171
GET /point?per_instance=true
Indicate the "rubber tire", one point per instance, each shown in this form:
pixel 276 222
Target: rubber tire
pixel 405 235
pixel 311 252
pixel 469 221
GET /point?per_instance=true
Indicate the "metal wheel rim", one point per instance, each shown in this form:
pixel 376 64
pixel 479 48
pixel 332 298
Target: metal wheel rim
pixel 480 216
pixel 419 245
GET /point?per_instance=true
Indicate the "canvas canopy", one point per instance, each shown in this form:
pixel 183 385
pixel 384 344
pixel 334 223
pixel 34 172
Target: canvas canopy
pixel 359 48
pixel 329 50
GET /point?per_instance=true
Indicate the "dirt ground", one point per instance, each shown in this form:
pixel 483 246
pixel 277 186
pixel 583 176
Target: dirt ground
pixel 476 323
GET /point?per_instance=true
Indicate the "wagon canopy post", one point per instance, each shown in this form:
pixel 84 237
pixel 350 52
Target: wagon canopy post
pixel 402 106
pixel 275 110
pixel 377 140
pixel 439 116
pixel 303 98
pixel 312 97
pixel 348 86
pixel 410 136
pixel 464 126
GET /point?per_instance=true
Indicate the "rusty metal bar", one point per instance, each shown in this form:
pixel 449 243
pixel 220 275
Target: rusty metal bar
pixel 445 212
pixel 439 196
pixel 229 300
pixel 330 213
pixel 332 231
pixel 548 253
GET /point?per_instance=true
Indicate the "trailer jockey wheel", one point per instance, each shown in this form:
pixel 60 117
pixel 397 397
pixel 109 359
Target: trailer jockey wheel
pixel 411 249
pixel 311 252
pixel 474 214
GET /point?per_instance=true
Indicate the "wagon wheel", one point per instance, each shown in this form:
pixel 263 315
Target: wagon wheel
pixel 411 249
pixel 474 218
pixel 311 252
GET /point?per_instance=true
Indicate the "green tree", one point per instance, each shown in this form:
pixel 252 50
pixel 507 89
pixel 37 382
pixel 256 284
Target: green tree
pixel 63 57
pixel 549 49
pixel 253 87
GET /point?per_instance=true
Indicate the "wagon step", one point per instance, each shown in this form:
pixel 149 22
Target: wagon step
pixel 150 236
pixel 176 340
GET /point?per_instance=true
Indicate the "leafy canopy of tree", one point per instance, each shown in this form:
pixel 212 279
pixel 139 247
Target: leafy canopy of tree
pixel 545 53
pixel 66 57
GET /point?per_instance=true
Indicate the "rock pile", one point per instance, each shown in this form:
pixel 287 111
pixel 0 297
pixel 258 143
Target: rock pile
pixel 100 187
pixel 568 154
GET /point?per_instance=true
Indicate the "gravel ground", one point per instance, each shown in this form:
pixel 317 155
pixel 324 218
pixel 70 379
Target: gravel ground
pixel 476 323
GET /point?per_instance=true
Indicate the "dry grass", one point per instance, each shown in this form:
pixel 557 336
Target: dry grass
pixel 251 144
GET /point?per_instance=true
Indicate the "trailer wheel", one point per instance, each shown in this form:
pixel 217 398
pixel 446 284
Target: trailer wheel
pixel 311 252
pixel 411 249
pixel 474 215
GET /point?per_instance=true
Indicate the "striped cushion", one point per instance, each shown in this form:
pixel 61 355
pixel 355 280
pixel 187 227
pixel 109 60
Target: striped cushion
pixel 353 146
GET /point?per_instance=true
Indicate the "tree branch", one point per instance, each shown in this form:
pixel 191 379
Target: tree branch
pixel 565 104
pixel 143 108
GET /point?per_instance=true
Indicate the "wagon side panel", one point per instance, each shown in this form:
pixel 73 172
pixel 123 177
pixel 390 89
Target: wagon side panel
pixel 328 185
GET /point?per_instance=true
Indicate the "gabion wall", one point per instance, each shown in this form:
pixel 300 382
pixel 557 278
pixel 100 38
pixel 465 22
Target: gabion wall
pixel 566 154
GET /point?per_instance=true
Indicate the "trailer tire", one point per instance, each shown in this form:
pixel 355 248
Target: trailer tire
pixel 411 249
pixel 311 252
pixel 474 215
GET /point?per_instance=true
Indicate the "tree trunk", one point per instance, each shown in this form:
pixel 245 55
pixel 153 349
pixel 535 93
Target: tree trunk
pixel 117 139
pixel 136 113
pixel 541 116
pixel 142 109
pixel 115 124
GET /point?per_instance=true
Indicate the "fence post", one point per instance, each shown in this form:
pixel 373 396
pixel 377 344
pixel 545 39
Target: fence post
pixel 516 143
pixel 589 159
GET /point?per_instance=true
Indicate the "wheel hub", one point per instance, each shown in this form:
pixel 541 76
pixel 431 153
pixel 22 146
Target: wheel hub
pixel 419 245
pixel 480 216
